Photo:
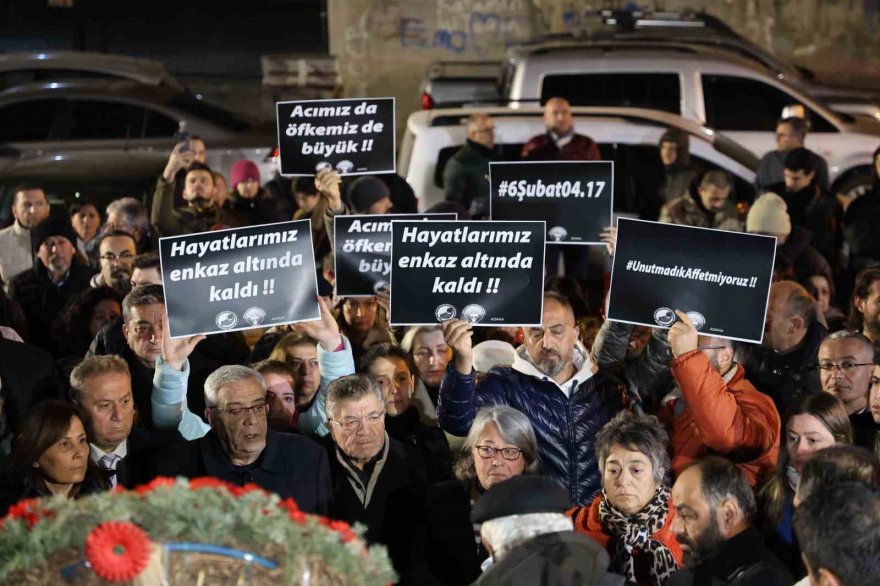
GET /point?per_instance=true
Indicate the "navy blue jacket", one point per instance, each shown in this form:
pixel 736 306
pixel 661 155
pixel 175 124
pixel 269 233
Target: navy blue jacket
pixel 565 427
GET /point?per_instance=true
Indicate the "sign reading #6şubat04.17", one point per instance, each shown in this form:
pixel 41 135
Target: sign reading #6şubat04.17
pixel 720 279
pixel 354 137
pixel 575 198
pixel 488 273
pixel 240 278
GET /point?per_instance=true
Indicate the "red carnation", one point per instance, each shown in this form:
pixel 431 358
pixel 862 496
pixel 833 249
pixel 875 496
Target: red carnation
pixel 292 509
pixel 207 482
pixel 118 552
pixel 154 484
pixel 27 511
pixel 344 530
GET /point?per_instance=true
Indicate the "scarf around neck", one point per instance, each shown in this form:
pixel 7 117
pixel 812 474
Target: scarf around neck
pixel 635 531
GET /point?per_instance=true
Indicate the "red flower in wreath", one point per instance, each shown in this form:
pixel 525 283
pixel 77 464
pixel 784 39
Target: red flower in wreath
pixel 207 482
pixel 344 530
pixel 27 510
pixel 118 552
pixel 292 509
pixel 154 484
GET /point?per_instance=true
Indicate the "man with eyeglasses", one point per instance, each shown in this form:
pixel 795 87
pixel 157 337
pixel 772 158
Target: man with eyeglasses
pixel 240 448
pixel 846 363
pixel 714 409
pixel 116 251
pixel 377 481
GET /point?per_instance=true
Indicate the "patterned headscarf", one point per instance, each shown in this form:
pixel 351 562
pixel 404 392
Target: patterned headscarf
pixel 635 531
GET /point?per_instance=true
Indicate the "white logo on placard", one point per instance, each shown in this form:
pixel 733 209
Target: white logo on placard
pixel 557 233
pixel 323 165
pixel 664 316
pixel 226 320
pixel 344 166
pixel 380 287
pixel 473 313
pixel 697 318
pixel 444 312
pixel 254 316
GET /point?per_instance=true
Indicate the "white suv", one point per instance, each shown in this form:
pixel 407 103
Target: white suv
pixel 714 87
pixel 627 136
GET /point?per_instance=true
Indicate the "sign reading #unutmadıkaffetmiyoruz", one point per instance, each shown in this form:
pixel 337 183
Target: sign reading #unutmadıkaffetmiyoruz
pixel 720 279
pixel 240 278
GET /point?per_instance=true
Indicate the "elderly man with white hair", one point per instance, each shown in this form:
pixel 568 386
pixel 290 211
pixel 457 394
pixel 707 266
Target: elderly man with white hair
pixel 531 541
pixel 240 448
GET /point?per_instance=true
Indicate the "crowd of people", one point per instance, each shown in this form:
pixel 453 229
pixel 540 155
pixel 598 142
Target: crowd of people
pixel 583 451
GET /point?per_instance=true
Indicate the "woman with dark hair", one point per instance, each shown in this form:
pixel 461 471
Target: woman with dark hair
pixel 822 291
pixel 500 445
pixel 83 318
pixel 815 422
pixel 632 517
pixel 51 456
pixel 86 221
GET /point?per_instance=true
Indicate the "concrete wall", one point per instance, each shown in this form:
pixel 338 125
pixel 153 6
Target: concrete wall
pixel 384 46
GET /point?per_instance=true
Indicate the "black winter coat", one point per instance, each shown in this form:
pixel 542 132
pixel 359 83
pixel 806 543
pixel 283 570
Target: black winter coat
pixel 41 300
pixel 395 514
pixel 451 550
pixel 430 441
pixel 742 560
pixel 291 466
pixel 785 378
pixel 565 427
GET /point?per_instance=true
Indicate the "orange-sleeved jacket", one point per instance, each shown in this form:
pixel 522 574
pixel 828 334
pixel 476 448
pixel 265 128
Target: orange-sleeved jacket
pixel 733 420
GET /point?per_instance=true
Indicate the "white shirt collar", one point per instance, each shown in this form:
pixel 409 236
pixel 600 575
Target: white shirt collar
pixel 580 360
pixel 97 453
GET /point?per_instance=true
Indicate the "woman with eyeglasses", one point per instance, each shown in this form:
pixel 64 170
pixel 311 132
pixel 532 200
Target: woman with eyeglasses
pixel 815 422
pixel 632 516
pixel 500 445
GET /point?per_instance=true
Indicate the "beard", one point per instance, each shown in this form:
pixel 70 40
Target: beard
pixel 550 362
pixel 706 543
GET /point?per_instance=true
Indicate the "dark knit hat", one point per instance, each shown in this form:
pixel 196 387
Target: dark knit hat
pixel 365 191
pixel 52 227
pixel 521 495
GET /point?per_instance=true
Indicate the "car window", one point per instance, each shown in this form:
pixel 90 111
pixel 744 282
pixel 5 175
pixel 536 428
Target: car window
pixel 26 121
pixel 99 119
pixel 659 91
pixel 160 126
pixel 741 104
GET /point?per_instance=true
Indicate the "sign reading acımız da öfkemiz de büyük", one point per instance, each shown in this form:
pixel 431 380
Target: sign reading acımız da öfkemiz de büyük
pixel 362 251
pixel 488 273
pixel 575 198
pixel 355 137
pixel 720 279
pixel 240 278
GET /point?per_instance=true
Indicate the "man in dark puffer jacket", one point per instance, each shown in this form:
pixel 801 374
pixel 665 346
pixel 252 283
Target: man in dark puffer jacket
pixel 553 382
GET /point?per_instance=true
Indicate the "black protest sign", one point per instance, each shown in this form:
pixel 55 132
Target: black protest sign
pixel 720 279
pixel 488 273
pixel 355 137
pixel 575 198
pixel 362 251
pixel 240 278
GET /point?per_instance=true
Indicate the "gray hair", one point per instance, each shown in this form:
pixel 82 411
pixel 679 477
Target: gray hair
pixel 351 388
pixel 513 427
pixel 225 376
pixel 409 338
pixel 505 533
pixel 133 212
pixel 636 433
pixel 143 295
pixel 842 335
pixel 94 366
